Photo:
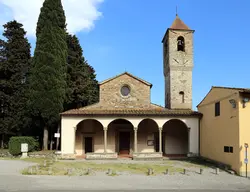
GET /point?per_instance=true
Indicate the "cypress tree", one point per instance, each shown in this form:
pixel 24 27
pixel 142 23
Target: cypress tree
pixel 14 66
pixel 82 86
pixel 48 74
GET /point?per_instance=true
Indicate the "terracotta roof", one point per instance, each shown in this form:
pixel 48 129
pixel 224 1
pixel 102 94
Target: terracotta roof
pixel 179 24
pixel 153 109
pixel 129 74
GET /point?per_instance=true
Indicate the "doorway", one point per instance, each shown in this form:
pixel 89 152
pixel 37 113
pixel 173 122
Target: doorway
pixel 124 143
pixel 88 144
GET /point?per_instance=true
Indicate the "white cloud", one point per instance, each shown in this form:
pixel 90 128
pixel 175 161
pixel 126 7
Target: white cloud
pixel 80 14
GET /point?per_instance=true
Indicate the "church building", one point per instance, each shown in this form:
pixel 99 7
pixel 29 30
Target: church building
pixel 124 123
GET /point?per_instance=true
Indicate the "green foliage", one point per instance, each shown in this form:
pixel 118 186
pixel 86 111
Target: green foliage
pixel 82 86
pixel 48 74
pixel 51 13
pixel 15 144
pixel 14 67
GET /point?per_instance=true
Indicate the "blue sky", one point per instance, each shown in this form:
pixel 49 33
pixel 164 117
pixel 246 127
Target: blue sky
pixel 128 38
pixel 129 35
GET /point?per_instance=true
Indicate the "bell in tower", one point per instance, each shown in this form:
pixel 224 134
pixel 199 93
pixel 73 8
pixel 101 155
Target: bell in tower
pixel 180 44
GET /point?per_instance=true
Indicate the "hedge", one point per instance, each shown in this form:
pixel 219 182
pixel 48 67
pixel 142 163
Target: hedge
pixel 15 144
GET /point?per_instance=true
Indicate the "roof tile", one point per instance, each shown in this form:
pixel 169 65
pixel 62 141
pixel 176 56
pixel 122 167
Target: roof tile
pixel 153 109
pixel 179 24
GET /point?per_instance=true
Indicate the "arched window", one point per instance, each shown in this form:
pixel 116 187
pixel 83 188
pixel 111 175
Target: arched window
pixel 182 96
pixel 181 44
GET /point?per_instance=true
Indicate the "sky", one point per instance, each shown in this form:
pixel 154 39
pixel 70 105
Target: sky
pixel 125 35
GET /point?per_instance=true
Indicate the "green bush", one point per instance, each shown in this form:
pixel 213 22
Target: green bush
pixel 15 144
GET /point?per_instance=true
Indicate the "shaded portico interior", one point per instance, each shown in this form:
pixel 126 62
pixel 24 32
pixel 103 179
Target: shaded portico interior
pixel 176 138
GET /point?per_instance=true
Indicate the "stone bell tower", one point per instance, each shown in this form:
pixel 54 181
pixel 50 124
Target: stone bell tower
pixel 178 65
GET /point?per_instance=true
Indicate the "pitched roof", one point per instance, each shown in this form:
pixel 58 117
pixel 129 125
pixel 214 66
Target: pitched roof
pixel 241 90
pixel 129 74
pixel 245 90
pixel 179 24
pixel 152 110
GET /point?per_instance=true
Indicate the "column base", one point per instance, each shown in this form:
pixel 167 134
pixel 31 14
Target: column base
pixel 190 154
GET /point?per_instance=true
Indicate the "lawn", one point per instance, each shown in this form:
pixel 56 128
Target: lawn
pixel 74 168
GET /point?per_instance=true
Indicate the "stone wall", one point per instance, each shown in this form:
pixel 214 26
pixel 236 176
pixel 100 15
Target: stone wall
pixel 110 93
pixel 178 66
pixel 147 156
pixel 101 156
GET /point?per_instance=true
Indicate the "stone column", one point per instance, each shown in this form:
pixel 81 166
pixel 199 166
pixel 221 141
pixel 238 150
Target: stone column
pixel 135 139
pixel 188 129
pixel 74 148
pixel 105 129
pixel 160 139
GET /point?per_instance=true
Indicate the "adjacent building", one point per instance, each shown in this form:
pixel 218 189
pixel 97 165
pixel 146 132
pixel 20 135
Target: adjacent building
pixel 224 127
pixel 125 123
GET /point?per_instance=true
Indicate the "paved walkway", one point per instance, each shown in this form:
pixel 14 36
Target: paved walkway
pixel 10 179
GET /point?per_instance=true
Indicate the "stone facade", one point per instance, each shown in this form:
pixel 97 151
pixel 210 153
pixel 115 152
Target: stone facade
pixel 178 66
pixel 111 97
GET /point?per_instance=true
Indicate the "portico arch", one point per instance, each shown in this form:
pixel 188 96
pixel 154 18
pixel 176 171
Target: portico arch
pixel 120 137
pixel 148 136
pixel 88 137
pixel 176 138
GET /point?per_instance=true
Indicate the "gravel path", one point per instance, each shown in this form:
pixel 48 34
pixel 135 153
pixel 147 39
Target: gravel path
pixel 10 179
pixel 12 167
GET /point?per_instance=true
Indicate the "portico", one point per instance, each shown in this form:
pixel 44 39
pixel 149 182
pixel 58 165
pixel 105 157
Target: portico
pixel 148 136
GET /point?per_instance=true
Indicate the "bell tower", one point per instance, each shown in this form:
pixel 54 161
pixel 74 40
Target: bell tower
pixel 178 65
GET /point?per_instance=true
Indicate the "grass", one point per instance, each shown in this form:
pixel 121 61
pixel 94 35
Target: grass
pixel 80 168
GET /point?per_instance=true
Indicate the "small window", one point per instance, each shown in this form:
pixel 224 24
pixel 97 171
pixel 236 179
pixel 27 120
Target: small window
pixel 180 44
pixel 228 149
pixel 217 109
pixel 182 96
pixel 231 149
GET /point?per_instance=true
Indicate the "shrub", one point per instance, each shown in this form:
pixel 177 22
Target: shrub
pixel 15 144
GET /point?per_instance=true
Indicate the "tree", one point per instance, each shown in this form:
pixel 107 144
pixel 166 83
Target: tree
pixel 14 66
pixel 48 74
pixel 82 86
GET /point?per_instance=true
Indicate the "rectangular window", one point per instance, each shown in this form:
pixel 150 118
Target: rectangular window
pixel 217 109
pixel 228 149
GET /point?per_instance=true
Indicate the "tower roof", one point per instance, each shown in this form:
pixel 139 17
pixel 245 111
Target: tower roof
pixel 179 24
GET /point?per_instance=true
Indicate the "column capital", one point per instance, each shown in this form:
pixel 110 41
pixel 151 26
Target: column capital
pixel 105 128
pixel 160 128
pixel 75 128
pixel 188 128
pixel 135 128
